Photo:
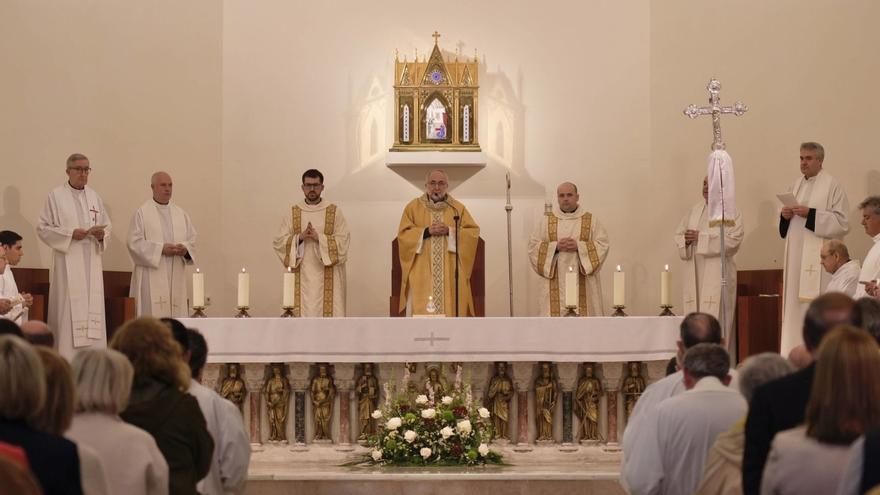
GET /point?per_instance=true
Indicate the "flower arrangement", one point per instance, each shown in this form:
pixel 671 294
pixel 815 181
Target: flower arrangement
pixel 420 431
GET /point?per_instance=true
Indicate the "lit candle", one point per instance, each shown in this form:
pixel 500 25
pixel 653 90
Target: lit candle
pixel 664 286
pixel 571 288
pixel 287 289
pixel 198 289
pixel 619 288
pixel 244 289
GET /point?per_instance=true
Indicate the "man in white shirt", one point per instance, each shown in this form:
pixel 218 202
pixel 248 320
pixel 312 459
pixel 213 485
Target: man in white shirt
pixel 232 448
pixel 13 306
pixel 844 271
pixel 871 267
pixel 696 328
pixel 671 454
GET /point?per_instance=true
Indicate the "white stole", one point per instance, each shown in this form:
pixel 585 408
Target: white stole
pixel 86 308
pixel 811 275
pixel 158 280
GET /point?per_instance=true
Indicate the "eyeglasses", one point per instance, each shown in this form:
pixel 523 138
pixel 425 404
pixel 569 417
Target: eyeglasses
pixel 435 183
pixel 313 186
pixel 81 170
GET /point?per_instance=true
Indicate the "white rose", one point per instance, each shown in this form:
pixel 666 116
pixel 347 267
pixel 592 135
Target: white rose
pixel 446 432
pixel 483 449
pixel 422 400
pixel 429 413
pixel 484 413
pixel 393 423
pixel 425 452
pixel 377 414
pixel 377 455
pixel 446 400
pixel 463 427
pixel 392 434
pixel 410 436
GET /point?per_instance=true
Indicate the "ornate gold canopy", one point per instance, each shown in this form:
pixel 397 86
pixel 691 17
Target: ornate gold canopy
pixel 436 103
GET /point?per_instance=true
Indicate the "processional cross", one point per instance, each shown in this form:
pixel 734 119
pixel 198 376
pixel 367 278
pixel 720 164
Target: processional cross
pixel 715 109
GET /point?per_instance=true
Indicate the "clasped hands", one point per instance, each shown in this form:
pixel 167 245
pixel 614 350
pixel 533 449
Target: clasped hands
pixel 6 305
pixel 173 250
pixel 438 228
pixel 691 236
pixel 97 232
pixel 872 289
pixel 309 233
pixel 799 210
pixel 567 245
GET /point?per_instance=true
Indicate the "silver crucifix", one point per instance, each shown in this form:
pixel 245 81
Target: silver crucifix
pixel 715 110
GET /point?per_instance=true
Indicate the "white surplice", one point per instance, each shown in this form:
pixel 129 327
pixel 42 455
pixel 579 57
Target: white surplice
pixel 870 268
pixel 804 277
pixel 845 279
pixel 158 283
pixel 318 266
pixel 701 279
pixel 671 453
pixel 232 445
pixel 9 290
pixel 76 295
pixel 551 266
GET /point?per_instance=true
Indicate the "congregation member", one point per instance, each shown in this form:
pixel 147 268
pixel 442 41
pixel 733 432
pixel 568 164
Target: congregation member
pixel 161 242
pixel 844 271
pixel 723 471
pixel 56 416
pixel 866 315
pixel 870 273
pixel 12 246
pixel 570 238
pixel 132 460
pixel 819 215
pixel 53 460
pixel 844 403
pixel 430 250
pixel 14 474
pixel 8 327
pixel 75 225
pixel 159 404
pixel 313 243
pixel 780 404
pixel 669 457
pixel 36 332
pixel 232 447
pixel 695 328
pixel 699 246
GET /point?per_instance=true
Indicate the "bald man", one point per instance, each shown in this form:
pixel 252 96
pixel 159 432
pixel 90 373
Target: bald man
pixel 161 241
pixel 844 271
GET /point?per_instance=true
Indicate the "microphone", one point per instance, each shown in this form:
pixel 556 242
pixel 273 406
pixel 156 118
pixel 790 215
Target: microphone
pixel 457 216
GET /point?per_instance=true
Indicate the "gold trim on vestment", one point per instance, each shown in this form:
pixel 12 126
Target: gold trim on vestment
pixel 296 222
pixel 586 233
pixel 329 225
pixel 552 226
pixel 542 256
pixel 716 223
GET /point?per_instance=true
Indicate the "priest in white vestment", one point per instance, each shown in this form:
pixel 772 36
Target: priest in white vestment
pixel 699 246
pixel 13 305
pixel 569 239
pixel 820 214
pixel 75 224
pixel 313 243
pixel 161 242
pixel 870 272
pixel 672 451
pixel 843 270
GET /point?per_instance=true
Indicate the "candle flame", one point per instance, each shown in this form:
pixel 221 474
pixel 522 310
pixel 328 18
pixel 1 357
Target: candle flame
pixel 570 269
pixel 243 270
pixel 618 268
pixel 289 269
pixel 198 271
pixel 666 268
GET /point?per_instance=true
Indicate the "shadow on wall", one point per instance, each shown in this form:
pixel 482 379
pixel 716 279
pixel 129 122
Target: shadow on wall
pixel 13 220
pixel 767 228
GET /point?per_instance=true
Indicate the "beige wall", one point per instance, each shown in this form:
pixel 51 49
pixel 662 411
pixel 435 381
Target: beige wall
pixel 236 99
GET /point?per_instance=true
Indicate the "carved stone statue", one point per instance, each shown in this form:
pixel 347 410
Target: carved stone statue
pixel 589 390
pixel 633 386
pixel 322 391
pixel 546 396
pixel 500 392
pixel 367 388
pixel 434 386
pixel 409 383
pixel 232 387
pixel 276 388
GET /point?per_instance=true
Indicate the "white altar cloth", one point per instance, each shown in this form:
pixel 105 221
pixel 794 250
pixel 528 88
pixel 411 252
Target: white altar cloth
pixel 354 340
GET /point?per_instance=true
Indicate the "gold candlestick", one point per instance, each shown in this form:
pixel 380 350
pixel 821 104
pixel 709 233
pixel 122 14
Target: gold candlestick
pixel 667 310
pixel 618 310
pixel 571 311
pixel 242 312
pixel 288 312
pixel 198 312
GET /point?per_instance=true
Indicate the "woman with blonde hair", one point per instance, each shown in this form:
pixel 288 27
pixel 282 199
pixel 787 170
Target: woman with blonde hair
pixel 53 460
pixel 844 403
pixel 160 405
pixel 132 461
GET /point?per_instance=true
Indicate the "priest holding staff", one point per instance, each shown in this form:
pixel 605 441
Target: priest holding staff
pixel 161 242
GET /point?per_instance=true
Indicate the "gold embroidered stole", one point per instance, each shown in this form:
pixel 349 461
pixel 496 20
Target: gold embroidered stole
pixel 552 235
pixel 329 225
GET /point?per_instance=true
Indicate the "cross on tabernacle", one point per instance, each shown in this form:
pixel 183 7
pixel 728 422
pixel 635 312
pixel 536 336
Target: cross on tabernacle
pixel 430 339
pixel 436 36
pixel 715 110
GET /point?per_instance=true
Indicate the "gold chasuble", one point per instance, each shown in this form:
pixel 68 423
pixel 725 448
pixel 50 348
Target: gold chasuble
pixel 592 242
pixel 318 266
pixel 428 263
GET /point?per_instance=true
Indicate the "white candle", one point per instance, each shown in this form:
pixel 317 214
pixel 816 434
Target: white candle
pixel 198 289
pixel 244 288
pixel 571 288
pixel 287 289
pixel 619 288
pixel 664 286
